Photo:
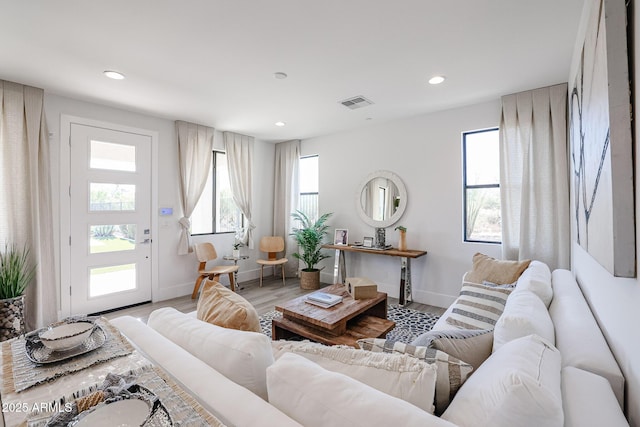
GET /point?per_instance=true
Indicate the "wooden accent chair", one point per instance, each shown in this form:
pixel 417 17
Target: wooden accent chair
pixel 272 245
pixel 207 252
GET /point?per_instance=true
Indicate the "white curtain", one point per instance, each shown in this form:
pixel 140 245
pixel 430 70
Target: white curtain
pixel 25 193
pixel 239 149
pixel 195 151
pixel 286 195
pixel 534 181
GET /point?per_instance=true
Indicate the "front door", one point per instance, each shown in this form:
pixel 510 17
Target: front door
pixel 110 213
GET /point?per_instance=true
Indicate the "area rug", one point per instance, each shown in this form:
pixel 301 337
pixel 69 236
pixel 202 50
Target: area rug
pixel 409 323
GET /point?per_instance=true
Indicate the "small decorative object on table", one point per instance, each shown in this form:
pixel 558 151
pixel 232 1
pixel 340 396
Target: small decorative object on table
pixel 367 242
pixel 361 287
pixel 323 299
pixel 341 236
pixel 402 245
pixel 380 237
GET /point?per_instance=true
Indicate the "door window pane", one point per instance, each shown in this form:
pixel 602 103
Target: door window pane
pixel 112 238
pixel 111 156
pixel 112 197
pixel 112 279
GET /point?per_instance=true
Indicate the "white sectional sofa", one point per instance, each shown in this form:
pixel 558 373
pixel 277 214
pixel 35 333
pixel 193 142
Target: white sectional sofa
pixel 566 377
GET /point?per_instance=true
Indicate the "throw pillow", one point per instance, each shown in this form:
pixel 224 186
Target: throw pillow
pixel 471 345
pixel 397 375
pixel 478 306
pixel 518 385
pixel 223 307
pixel 452 372
pixel 524 314
pixel 316 397
pixel 496 271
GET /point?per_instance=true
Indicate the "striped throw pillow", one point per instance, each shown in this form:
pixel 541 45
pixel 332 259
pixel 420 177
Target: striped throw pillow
pixel 452 372
pixel 478 306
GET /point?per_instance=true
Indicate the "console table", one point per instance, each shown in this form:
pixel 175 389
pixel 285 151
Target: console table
pixel 340 268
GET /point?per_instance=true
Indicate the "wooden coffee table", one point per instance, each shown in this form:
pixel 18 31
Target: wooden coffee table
pixel 344 323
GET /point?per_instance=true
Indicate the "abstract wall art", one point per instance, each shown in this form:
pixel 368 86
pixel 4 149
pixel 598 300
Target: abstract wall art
pixel 601 142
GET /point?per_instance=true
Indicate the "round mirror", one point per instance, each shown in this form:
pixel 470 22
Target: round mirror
pixel 381 199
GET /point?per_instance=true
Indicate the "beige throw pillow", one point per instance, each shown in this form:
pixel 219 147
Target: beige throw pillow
pixel 220 306
pixel 496 271
pixel 471 345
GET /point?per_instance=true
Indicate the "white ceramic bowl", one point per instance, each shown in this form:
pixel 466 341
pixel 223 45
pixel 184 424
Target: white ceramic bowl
pixel 66 336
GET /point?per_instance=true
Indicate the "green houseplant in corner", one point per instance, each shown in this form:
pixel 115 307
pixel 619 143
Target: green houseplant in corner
pixel 309 237
pixel 16 272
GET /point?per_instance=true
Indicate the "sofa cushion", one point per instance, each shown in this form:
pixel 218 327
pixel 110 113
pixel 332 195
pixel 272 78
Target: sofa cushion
pixel 221 396
pixel 478 306
pixel 496 271
pixel 471 345
pixel 578 336
pixel 452 372
pixel 518 385
pixel 316 397
pixel 524 314
pixel 537 279
pixel 588 400
pixel 397 375
pixel 223 307
pixel 241 356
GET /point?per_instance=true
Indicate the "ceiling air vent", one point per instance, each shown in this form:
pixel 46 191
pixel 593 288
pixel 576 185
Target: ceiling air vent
pixel 356 102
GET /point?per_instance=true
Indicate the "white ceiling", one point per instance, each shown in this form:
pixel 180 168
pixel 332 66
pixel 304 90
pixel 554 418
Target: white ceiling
pixel 212 61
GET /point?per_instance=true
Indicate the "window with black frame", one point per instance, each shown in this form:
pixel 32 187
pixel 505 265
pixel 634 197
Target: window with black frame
pixel 481 181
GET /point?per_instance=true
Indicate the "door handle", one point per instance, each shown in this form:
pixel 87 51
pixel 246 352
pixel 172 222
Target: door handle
pixel 145 242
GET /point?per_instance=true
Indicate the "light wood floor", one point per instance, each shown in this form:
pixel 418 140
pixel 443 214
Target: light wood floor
pixel 263 299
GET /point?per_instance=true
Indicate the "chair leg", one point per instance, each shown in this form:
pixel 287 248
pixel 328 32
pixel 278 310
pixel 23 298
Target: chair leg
pixel 283 284
pixel 196 287
pixel 232 282
pixel 261 273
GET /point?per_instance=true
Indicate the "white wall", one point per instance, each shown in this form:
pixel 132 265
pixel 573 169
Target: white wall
pixel 176 274
pixel 426 152
pixel 616 301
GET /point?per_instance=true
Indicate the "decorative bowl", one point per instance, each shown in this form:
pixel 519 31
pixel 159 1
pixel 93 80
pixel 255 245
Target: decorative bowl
pixel 65 336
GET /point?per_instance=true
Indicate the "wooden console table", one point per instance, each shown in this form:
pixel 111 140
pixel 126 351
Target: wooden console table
pixel 340 268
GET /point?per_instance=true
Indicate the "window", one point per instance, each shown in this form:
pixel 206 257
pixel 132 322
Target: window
pixel 481 180
pixel 308 181
pixel 216 212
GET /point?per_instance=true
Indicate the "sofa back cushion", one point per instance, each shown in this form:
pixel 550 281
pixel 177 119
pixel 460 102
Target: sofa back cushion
pixel 578 336
pixel 241 356
pixel 316 397
pixel 524 314
pixel 398 375
pixel 537 279
pixel 518 385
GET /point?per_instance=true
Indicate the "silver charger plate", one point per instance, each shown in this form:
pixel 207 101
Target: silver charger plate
pixel 38 353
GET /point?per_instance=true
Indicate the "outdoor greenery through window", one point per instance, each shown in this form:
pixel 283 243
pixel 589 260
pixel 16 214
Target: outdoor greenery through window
pixel 308 181
pixel 216 212
pixel 481 170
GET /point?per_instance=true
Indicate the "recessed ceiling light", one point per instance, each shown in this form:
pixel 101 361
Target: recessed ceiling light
pixel 436 80
pixel 280 124
pixel 280 75
pixel 114 75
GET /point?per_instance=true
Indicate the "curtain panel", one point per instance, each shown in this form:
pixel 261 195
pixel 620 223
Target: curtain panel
pixel 534 180
pixel 286 195
pixel 239 149
pixel 195 152
pixel 25 193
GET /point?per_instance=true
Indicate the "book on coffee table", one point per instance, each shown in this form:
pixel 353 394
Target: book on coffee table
pixel 323 299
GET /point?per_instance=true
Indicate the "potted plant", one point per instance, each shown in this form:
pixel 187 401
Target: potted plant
pixel 310 237
pixel 16 273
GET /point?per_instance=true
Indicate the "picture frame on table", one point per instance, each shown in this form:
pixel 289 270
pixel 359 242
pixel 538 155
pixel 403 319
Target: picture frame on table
pixel 341 236
pixel 367 242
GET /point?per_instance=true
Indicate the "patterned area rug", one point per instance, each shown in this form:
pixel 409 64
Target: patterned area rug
pixel 409 323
